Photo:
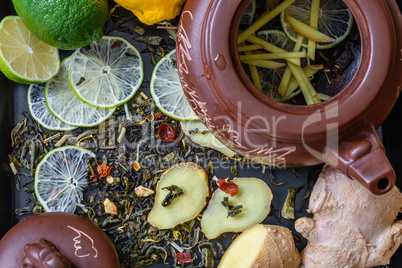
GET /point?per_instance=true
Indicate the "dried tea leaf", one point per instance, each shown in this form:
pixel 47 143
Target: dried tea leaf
pixel 174 191
pixel 150 40
pixel 288 209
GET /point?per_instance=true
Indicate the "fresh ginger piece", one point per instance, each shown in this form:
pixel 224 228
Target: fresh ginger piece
pixel 254 73
pixel 322 96
pixel 246 48
pixel 261 21
pixel 253 195
pixel 268 64
pixel 293 85
pixel 270 47
pixel 314 16
pixel 283 86
pixel 304 84
pixel 262 246
pixel 201 135
pixel 351 226
pixel 193 181
pixel 273 56
pixel 307 31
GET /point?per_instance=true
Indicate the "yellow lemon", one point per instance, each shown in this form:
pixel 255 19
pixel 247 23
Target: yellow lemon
pixel 153 11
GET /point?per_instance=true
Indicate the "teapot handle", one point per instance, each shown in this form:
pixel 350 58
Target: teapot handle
pixel 360 154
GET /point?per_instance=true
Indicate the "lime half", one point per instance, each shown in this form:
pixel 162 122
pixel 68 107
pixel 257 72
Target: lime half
pixel 167 91
pixel 107 73
pixel 23 57
pixel 67 107
pixel 39 111
pixel 249 15
pixel 61 178
pixel 335 20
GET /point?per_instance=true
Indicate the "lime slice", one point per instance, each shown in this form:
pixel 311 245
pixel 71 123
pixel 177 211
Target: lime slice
pixel 167 91
pixel 39 111
pixel 61 177
pixel 249 15
pixel 270 78
pixel 107 73
pixel 335 20
pixel 277 38
pixel 23 57
pixel 67 107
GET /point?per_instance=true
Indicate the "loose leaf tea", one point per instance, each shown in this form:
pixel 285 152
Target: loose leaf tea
pixel 232 210
pixel 288 210
pixel 174 192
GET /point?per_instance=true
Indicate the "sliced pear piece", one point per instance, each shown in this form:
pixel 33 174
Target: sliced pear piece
pixel 192 180
pixel 253 195
pixel 262 246
pixel 201 135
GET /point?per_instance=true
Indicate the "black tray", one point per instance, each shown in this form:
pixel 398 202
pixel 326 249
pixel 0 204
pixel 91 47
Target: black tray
pixel 13 102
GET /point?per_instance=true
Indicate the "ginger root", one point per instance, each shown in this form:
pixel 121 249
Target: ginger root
pixel 254 196
pixel 351 226
pixel 180 195
pixel 262 246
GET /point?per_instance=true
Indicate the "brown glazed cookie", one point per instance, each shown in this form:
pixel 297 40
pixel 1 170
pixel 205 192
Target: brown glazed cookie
pixel 55 240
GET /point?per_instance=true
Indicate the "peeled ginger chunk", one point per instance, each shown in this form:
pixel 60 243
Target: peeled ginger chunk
pixel 262 246
pixel 351 226
pixel 255 197
pixel 190 178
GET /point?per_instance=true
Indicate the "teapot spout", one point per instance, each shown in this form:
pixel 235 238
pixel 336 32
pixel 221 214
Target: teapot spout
pixel 360 155
pixel 374 171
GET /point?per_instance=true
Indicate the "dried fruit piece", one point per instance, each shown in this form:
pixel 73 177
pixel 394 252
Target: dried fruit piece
pixel 166 132
pixel 110 207
pixel 141 191
pixel 110 179
pixel 159 116
pixel 184 257
pixel 136 165
pixel 94 178
pixel 228 186
pixel 104 170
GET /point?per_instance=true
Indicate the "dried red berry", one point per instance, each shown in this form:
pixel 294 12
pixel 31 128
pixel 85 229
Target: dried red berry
pixel 228 186
pixel 184 257
pixel 166 132
pixel 104 170
pixel 94 178
pixel 159 116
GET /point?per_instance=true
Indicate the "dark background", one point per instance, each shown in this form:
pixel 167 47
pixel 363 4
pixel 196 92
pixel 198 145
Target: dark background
pixel 13 102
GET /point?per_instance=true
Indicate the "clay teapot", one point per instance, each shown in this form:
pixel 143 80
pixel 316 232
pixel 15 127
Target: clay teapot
pixel 340 131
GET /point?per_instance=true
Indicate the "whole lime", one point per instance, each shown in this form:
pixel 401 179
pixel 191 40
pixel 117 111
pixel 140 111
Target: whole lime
pixel 65 24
